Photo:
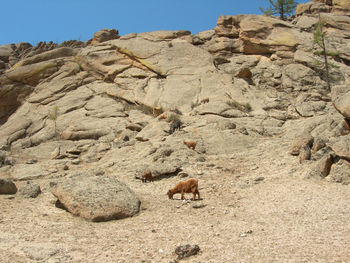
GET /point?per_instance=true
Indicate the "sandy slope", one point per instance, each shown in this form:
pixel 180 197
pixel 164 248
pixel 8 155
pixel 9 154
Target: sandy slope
pixel 244 218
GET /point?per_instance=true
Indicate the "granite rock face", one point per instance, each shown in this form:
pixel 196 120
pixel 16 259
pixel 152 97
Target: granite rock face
pixel 75 103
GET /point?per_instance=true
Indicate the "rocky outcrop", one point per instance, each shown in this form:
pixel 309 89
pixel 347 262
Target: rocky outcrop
pixel 251 77
pixel 104 35
pixel 96 198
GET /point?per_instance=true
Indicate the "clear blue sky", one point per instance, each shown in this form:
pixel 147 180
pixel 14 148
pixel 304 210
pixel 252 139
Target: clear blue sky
pixel 59 20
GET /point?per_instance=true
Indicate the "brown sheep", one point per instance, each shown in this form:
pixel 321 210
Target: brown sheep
pixel 189 186
pixel 146 176
pixel 190 144
pixel 157 111
pixel 205 100
pixel 162 116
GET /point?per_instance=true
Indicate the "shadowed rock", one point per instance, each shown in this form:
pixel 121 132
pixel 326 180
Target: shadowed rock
pixel 7 187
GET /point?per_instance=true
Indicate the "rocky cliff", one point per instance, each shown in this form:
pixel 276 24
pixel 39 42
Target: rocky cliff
pixel 258 74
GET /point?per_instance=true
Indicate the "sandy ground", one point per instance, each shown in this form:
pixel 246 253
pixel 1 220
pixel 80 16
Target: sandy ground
pixel 255 207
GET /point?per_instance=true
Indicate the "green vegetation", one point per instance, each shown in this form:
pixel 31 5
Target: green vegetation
pixel 173 117
pixel 53 114
pixel 245 107
pixel 145 109
pixel 319 40
pixel 280 7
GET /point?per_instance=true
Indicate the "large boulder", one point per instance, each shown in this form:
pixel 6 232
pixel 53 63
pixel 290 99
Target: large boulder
pixel 341 146
pixel 341 99
pixel 96 198
pixel 340 172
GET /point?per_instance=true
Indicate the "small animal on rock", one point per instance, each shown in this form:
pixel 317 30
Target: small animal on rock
pixel 190 144
pixel 156 111
pixel 174 125
pixel 205 100
pixel 189 186
pixel 146 176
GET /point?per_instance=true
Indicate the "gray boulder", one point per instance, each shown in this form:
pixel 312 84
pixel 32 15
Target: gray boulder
pixel 96 198
pixel 30 190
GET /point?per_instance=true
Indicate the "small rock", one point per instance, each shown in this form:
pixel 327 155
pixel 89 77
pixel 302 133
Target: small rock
pixel 52 170
pixel 31 161
pixel 183 174
pixel 201 159
pixel 199 172
pixel 75 161
pixel 259 179
pixel 304 153
pixel 243 131
pixel 244 234
pixel 186 251
pixel 7 187
pixel 160 250
pixel 55 153
pixel 199 206
pixel 30 190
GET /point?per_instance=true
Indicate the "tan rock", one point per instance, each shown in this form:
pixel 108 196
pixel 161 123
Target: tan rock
pixel 339 172
pixel 104 35
pixel 96 198
pixel 305 139
pixel 341 4
pixel 304 153
pixel 341 99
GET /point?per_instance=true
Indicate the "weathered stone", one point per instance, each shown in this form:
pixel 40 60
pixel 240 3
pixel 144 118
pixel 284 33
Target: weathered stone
pixel 7 187
pixel 312 7
pixel 342 5
pixel 104 35
pixel 340 172
pixel 341 146
pixel 30 190
pixel 304 153
pixel 23 172
pixel 32 73
pixel 96 198
pixel 325 164
pixel 318 144
pixel 305 139
pixel 5 52
pixel 341 99
pixel 154 129
pixel 186 251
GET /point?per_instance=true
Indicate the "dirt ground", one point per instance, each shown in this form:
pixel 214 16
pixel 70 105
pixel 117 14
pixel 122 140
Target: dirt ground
pixel 255 207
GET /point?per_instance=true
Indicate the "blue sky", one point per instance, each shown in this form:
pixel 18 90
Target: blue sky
pixel 59 20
